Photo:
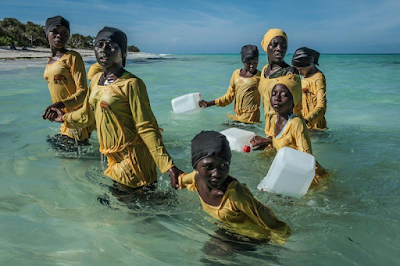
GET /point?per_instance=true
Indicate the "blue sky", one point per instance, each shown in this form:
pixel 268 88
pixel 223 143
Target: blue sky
pixel 202 26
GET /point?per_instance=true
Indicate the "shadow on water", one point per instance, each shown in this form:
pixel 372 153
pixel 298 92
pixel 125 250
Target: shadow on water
pixel 71 148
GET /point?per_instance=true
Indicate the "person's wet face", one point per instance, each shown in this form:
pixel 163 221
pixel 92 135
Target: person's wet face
pixel 277 48
pixel 250 65
pixel 108 53
pixel 213 170
pixel 58 37
pixel 282 100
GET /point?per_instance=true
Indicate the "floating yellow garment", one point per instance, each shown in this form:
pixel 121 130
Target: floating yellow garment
pixel 93 70
pixel 247 98
pixel 314 101
pixel 127 130
pixel 240 213
pixel 269 35
pixel 66 79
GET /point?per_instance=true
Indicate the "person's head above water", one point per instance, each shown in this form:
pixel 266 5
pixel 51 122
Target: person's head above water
pixel 275 44
pixel 109 35
pixel 304 57
pixel 249 52
pixel 210 143
pixel 286 93
pixel 55 21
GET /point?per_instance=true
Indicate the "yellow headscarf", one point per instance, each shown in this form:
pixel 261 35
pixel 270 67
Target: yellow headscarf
pixel 272 33
pixel 293 83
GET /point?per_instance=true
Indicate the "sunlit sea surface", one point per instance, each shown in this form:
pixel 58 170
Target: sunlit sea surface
pixel 58 208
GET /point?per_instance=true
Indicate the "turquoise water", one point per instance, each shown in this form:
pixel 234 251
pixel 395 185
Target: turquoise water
pixel 50 210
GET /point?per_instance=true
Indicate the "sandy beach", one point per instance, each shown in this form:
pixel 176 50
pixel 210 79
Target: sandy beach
pixel 33 53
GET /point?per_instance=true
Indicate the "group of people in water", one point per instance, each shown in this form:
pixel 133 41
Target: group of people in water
pixel 116 104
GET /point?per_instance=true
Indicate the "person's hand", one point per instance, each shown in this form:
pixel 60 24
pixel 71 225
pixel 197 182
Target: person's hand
pixel 261 142
pixel 53 114
pixel 203 103
pixel 174 173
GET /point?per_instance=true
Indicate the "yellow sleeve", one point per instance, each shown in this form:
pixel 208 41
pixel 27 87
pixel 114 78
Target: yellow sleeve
pixel 300 134
pixel 320 109
pixel 146 124
pixel 78 73
pixel 228 97
pixel 255 210
pixel 187 181
pixel 93 70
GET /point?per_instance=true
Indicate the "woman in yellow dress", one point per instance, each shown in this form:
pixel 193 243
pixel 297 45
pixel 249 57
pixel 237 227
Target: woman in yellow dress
pixel 243 89
pixel 224 198
pixel 314 87
pixel 119 106
pixel 288 130
pixel 66 78
pixel 274 43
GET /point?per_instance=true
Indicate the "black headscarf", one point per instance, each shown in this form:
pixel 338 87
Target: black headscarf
pixel 304 57
pixel 208 143
pixel 55 21
pixel 249 52
pixel 115 35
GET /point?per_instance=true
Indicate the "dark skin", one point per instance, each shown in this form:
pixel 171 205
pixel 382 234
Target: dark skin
pixel 58 38
pixel 249 70
pixel 109 56
pixel 282 102
pixel 212 179
pixel 276 52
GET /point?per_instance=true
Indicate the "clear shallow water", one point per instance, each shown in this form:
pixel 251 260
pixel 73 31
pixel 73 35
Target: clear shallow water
pixel 50 210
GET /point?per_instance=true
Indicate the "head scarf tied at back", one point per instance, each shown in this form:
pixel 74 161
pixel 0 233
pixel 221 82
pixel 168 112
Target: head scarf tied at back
pixel 293 83
pixel 208 143
pixel 249 52
pixel 304 57
pixel 117 36
pixel 55 21
pixel 272 33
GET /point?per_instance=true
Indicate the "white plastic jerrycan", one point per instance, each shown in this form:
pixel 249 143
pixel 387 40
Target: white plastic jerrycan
pixel 290 174
pixel 238 138
pixel 188 103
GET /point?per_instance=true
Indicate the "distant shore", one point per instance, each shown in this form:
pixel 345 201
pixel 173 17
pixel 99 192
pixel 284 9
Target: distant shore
pixel 33 53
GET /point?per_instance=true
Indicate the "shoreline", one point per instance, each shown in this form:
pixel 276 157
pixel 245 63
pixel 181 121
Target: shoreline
pixel 35 53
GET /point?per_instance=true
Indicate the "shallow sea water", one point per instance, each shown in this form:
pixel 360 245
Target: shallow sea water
pixel 59 209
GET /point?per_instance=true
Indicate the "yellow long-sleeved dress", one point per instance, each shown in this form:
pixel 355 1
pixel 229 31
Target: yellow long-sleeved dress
pixel 66 79
pixel 127 130
pixel 240 213
pixel 314 101
pixel 247 98
pixel 295 135
pixel 265 89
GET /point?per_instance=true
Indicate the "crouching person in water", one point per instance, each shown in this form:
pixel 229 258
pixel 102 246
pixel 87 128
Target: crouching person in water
pixel 224 197
pixel 118 104
pixel 287 129
pixel 243 89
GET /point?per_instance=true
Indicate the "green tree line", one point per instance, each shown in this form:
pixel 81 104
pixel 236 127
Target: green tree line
pixel 31 34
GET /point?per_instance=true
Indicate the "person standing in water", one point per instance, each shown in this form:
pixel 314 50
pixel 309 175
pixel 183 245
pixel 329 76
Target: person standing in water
pixel 288 130
pixel 66 78
pixel 118 104
pixel 314 87
pixel 274 43
pixel 243 89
